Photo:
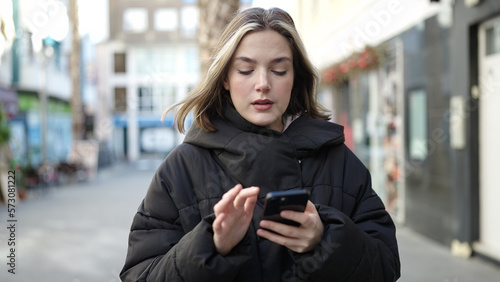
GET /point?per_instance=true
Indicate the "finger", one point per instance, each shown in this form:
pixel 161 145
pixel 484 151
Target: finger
pixel 231 193
pixel 250 204
pixel 293 215
pixel 294 244
pixel 217 224
pixel 310 208
pixel 228 198
pixel 244 194
pixel 276 238
pixel 221 206
pixel 300 217
pixel 280 228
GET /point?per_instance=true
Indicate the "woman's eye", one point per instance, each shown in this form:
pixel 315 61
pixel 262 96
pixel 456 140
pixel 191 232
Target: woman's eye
pixel 245 72
pixel 280 73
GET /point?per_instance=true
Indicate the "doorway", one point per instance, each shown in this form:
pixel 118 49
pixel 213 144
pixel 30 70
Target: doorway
pixel 489 138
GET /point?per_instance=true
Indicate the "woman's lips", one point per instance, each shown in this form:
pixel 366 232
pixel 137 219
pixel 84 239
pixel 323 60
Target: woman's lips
pixel 262 105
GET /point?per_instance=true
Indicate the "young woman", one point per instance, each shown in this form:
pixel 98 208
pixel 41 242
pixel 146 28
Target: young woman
pixel 258 128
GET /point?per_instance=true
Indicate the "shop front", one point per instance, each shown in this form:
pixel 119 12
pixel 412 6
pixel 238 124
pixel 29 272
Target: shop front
pixel 368 101
pixel 395 110
pixel 28 126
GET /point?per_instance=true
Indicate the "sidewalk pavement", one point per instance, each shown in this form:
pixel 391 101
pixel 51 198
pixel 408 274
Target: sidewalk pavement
pixel 424 260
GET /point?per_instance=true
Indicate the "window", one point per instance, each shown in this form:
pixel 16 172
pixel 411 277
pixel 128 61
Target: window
pixel 120 62
pixel 165 61
pixel 166 20
pixel 192 60
pixel 417 124
pixel 145 99
pixel 135 20
pixel 120 99
pixel 189 21
pixel 493 40
pixel 156 98
pixel 159 61
pixel 142 61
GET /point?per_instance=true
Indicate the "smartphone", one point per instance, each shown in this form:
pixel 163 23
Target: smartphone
pixel 277 201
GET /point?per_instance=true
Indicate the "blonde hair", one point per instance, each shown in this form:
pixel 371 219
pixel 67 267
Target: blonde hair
pixel 207 98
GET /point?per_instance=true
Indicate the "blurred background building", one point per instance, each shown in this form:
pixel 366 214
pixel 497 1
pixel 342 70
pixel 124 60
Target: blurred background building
pixel 415 84
pixel 34 69
pixel 150 62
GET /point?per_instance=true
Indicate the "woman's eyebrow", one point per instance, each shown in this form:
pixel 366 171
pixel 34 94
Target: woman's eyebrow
pixel 245 59
pixel 281 59
pixel 273 61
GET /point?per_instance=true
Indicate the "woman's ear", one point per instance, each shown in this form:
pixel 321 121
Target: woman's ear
pixel 226 84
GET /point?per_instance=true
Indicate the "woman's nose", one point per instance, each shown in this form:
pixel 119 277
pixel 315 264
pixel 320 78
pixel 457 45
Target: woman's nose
pixel 262 83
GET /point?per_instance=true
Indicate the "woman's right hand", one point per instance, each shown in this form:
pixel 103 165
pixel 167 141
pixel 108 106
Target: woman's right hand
pixel 233 214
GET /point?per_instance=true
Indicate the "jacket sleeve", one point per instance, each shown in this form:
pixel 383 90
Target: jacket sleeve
pixel 161 249
pixel 358 246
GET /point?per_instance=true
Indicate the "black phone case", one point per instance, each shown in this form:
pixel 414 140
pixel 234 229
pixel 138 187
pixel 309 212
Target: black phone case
pixel 278 201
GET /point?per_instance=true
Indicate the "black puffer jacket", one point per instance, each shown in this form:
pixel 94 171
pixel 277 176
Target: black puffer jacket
pixel 171 237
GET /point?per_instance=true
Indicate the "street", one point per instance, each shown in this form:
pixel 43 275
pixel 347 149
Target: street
pixel 78 233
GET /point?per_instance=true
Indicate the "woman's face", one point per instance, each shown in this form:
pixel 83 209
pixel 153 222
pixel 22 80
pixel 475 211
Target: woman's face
pixel 260 78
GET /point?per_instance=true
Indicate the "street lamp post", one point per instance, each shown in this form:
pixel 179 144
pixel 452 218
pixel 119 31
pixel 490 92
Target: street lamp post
pixel 48 23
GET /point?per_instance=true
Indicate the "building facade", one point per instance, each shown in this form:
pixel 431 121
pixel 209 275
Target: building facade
pixel 414 83
pixel 475 74
pixel 150 61
pixel 34 71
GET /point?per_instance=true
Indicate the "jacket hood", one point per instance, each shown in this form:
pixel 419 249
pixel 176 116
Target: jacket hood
pixel 307 135
pixel 257 156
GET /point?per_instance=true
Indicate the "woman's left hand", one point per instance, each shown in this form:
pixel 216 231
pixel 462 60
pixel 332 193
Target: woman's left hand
pixel 298 239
